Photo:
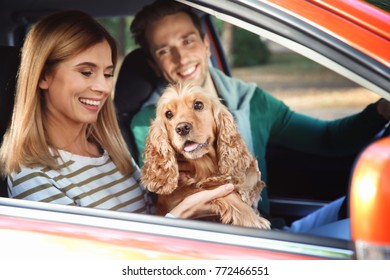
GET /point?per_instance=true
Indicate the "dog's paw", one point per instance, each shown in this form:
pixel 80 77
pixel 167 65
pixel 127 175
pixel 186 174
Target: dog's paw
pixel 214 181
pixel 256 221
pixel 263 223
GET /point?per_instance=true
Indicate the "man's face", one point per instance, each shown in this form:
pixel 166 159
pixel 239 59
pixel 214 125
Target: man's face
pixel 179 51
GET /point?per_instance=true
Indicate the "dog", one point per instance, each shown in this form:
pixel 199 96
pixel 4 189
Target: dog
pixel 194 126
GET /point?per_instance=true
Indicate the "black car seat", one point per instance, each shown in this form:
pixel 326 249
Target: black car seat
pixel 9 64
pixel 135 83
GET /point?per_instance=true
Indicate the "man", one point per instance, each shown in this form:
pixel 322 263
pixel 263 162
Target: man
pixel 171 36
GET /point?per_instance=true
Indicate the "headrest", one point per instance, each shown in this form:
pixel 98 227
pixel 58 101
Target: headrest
pixel 135 83
pixel 10 60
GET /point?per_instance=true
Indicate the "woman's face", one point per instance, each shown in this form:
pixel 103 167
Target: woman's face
pixel 76 89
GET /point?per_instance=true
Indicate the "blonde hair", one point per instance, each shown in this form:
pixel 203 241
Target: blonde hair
pixel 53 39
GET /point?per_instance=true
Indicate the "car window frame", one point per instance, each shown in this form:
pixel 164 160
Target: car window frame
pixel 301 37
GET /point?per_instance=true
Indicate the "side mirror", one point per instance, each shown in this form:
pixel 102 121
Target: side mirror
pixel 370 202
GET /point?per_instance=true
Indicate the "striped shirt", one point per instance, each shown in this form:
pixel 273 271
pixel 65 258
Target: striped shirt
pixel 81 181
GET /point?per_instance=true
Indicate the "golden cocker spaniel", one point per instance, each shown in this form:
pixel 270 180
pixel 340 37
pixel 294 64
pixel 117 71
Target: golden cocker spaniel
pixel 194 126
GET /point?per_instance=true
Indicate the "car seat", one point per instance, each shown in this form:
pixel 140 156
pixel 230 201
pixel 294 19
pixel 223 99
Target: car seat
pixel 135 83
pixel 10 59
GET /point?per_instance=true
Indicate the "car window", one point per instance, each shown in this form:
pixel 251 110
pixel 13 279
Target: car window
pixel 303 84
pixel 119 27
pixel 382 4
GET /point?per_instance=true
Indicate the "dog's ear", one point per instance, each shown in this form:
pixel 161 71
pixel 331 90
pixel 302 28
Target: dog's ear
pixel 160 172
pixel 233 155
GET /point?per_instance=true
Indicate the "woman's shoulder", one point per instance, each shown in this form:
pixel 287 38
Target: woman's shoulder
pixel 31 174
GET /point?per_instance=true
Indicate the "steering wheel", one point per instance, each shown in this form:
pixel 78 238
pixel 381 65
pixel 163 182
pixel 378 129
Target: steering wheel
pixel 386 130
pixel 343 212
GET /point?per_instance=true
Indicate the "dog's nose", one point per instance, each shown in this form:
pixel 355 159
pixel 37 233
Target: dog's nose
pixel 183 128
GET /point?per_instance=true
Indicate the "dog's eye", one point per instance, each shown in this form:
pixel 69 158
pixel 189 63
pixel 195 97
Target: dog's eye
pixel 169 114
pixel 198 105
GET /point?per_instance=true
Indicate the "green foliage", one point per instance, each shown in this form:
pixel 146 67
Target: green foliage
pixel 218 25
pixel 382 4
pixel 119 28
pixel 248 49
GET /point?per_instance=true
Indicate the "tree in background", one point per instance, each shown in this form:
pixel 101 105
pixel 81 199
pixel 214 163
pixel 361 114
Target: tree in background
pixel 249 49
pixel 119 28
pixel 382 4
pixel 242 47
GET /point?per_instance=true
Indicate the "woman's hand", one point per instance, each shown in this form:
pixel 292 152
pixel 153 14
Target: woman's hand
pixel 198 205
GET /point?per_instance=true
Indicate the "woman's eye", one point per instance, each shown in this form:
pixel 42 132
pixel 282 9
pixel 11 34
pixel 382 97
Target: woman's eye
pixel 198 105
pixel 86 73
pixel 110 75
pixel 169 115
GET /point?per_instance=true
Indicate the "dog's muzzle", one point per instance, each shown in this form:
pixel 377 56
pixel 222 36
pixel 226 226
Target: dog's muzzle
pixel 183 128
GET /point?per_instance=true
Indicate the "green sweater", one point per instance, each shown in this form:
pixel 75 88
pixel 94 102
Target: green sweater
pixel 272 121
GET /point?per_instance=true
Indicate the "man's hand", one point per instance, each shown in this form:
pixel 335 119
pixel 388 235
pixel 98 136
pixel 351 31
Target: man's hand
pixel 383 109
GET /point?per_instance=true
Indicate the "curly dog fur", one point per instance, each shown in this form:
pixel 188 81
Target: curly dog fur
pixel 194 126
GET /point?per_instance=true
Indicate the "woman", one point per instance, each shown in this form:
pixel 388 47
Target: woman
pixel 64 145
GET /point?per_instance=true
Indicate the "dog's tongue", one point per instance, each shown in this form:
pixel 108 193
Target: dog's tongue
pixel 190 146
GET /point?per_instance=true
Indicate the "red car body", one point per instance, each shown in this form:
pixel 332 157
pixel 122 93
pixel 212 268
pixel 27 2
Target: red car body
pixel 357 23
pixel 67 231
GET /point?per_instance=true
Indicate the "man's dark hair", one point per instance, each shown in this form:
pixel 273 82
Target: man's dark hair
pixel 155 12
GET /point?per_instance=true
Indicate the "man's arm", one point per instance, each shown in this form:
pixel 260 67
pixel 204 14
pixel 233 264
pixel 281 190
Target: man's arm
pixel 338 137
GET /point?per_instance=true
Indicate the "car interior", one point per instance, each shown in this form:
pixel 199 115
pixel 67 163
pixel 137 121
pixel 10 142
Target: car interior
pixel 308 181
pixel 9 56
pixel 135 76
